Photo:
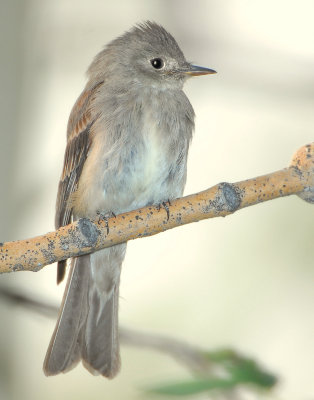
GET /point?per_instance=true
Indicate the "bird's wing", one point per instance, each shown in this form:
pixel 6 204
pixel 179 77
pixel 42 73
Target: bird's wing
pixel 77 149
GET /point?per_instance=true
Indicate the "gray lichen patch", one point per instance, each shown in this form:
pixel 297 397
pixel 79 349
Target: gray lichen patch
pixel 17 267
pixel 228 198
pixel 49 256
pixel 88 233
pixel 232 197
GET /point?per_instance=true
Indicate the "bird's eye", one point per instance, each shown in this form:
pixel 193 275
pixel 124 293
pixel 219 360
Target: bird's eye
pixel 157 63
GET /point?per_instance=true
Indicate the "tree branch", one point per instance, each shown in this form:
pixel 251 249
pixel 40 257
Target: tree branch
pixel 85 236
pixel 194 357
pixel 201 362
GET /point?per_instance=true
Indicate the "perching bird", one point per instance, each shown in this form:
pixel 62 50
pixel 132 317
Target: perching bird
pixel 127 144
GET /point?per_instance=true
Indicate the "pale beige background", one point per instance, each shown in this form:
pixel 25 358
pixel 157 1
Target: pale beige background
pixel 245 281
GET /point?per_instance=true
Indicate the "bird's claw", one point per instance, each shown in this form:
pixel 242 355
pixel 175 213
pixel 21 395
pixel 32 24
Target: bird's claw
pixel 165 205
pixel 105 217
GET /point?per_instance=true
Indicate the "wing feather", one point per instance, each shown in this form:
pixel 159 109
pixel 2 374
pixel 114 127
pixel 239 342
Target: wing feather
pixel 78 144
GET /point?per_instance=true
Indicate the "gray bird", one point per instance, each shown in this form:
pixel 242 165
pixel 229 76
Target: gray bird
pixel 128 138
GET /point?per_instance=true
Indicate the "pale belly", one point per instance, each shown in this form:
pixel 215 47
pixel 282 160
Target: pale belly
pixel 142 172
pixel 145 177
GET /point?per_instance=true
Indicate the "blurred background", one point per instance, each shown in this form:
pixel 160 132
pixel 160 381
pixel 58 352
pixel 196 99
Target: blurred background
pixel 245 281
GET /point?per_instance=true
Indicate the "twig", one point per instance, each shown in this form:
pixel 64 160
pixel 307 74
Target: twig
pixel 192 356
pixel 184 353
pixel 85 236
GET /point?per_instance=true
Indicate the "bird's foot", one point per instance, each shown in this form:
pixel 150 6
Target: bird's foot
pixel 105 217
pixel 165 205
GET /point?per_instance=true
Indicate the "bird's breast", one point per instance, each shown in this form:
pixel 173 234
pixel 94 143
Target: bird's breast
pixel 147 164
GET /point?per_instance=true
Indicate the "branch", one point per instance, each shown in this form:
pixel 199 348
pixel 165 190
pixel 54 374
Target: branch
pixel 184 353
pixel 193 357
pixel 201 362
pixel 85 236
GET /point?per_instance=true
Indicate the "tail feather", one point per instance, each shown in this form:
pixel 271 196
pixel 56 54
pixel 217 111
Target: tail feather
pixel 100 352
pixel 87 327
pixel 63 351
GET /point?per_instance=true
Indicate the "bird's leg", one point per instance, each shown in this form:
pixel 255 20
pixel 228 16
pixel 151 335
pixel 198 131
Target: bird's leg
pixel 165 205
pixel 105 217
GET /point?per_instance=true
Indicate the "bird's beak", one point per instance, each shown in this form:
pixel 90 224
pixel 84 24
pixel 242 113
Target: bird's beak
pixel 195 70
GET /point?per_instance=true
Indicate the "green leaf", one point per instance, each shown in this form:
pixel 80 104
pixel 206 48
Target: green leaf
pixel 241 369
pixel 247 371
pixel 238 370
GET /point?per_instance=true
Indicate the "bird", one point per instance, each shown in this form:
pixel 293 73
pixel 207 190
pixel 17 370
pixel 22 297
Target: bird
pixel 128 137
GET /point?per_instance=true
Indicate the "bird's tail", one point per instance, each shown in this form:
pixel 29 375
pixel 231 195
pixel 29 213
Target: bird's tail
pixel 87 326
